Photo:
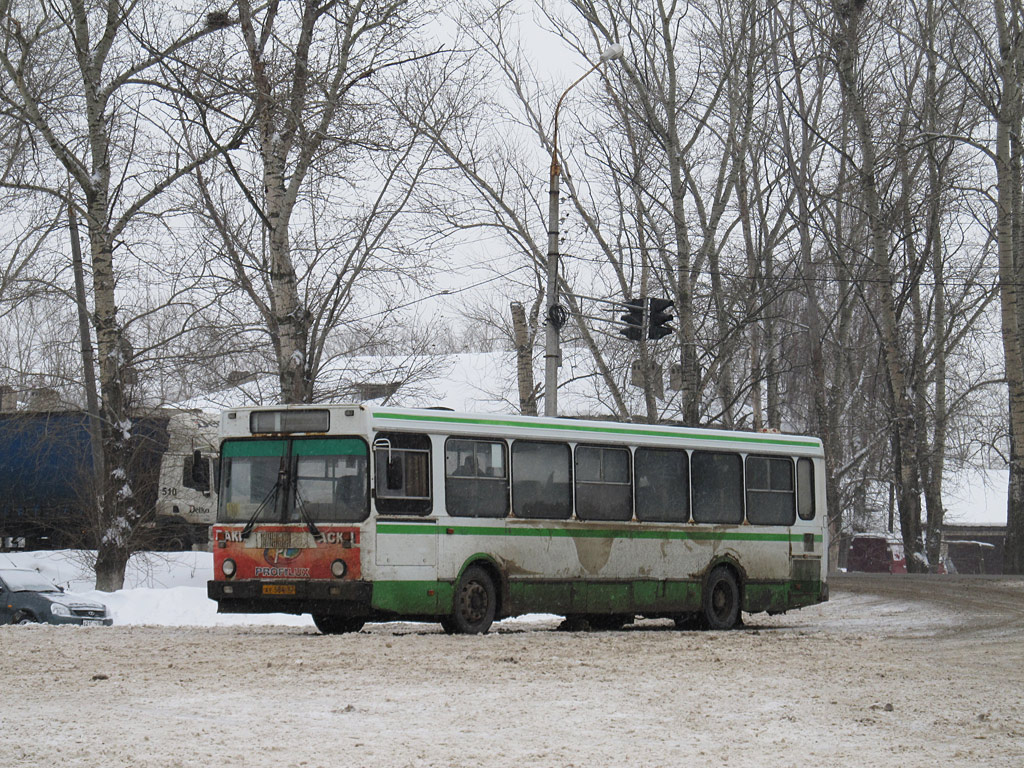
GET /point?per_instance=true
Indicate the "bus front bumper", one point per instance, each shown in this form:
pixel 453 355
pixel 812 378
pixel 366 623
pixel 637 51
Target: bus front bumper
pixel 348 598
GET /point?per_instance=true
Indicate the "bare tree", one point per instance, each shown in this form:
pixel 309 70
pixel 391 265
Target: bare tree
pixel 999 84
pixel 307 211
pixel 903 174
pixel 78 76
pixel 497 186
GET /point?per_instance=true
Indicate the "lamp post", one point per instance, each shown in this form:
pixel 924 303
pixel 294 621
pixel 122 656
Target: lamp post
pixel 555 315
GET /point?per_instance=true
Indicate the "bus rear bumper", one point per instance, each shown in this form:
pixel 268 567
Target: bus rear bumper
pixel 347 598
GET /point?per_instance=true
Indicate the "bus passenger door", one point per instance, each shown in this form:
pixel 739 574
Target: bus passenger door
pixel 806 541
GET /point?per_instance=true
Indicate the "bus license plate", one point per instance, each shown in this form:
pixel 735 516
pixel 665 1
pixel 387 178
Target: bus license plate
pixel 278 589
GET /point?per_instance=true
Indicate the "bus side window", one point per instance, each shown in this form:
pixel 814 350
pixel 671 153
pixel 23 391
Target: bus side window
pixel 717 481
pixel 662 485
pixel 805 488
pixel 770 492
pixel 603 490
pixel 541 480
pixel 402 473
pixel 476 478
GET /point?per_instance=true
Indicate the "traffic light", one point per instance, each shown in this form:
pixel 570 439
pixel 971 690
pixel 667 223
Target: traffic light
pixel 658 318
pixel 634 319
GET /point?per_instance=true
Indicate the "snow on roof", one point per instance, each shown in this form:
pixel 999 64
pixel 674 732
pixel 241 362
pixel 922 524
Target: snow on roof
pixel 976 497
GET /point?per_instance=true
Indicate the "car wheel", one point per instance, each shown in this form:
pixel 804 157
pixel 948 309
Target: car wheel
pixel 475 602
pixel 23 617
pixel 337 625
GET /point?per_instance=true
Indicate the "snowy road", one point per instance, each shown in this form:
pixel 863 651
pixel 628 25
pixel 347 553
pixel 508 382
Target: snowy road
pixel 908 672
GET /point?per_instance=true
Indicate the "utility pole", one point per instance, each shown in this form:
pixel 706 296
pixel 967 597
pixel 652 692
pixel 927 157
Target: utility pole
pixel 556 315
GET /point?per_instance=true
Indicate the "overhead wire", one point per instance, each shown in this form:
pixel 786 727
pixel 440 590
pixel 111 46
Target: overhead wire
pixel 439 294
pixel 822 280
pixel 790 278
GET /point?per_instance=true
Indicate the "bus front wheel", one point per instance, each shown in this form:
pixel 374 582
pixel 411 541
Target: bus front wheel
pixel 337 625
pixel 721 599
pixel 475 603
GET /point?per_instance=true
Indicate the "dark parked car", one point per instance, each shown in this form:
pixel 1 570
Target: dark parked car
pixel 26 597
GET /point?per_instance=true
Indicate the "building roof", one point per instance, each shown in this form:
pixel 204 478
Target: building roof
pixel 975 497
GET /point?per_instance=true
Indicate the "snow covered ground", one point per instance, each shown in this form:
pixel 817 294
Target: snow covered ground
pixel 893 671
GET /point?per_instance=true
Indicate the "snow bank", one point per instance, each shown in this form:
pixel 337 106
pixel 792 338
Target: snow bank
pixel 168 589
pixel 161 588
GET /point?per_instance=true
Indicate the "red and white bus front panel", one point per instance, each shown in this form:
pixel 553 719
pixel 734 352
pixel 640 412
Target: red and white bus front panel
pixel 286 552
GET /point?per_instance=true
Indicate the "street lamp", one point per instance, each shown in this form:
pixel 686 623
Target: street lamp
pixel 555 315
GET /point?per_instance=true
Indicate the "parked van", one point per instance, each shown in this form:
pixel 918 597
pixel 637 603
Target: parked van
pixel 876 553
pixel 968 556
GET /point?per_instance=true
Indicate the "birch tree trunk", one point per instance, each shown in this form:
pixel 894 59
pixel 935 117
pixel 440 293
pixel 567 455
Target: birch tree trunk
pixel 524 361
pixel 1009 238
pixel 903 435
pixel 933 454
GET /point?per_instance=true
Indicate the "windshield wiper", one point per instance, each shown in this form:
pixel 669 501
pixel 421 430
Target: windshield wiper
pixel 310 525
pixel 282 477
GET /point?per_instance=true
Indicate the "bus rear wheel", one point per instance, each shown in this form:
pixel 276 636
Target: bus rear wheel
pixel 337 625
pixel 721 599
pixel 475 603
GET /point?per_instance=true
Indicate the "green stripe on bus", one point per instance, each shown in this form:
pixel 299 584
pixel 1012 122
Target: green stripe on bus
pixel 632 431
pixel 253 448
pixel 330 446
pixel 321 446
pixel 589 533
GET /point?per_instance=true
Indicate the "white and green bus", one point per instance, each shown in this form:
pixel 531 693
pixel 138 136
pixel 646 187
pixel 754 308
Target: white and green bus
pixel 356 513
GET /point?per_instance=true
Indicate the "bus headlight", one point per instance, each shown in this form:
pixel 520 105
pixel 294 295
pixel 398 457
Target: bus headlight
pixel 228 567
pixel 338 568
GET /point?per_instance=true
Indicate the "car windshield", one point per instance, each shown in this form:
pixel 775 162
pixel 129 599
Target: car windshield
pixel 26 581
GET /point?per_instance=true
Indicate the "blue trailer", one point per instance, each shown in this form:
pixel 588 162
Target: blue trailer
pixel 47 482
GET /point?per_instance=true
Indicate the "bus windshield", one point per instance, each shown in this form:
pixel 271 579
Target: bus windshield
pixel 320 479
